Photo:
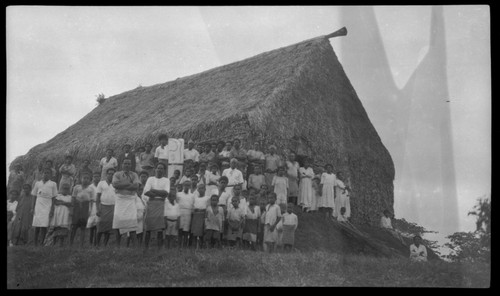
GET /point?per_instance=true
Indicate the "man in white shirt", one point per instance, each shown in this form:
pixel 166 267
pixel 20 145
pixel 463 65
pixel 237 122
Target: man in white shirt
pixel 418 252
pixel 233 175
pixel 191 154
pixel 161 152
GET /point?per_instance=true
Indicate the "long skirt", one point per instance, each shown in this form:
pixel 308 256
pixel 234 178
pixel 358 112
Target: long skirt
pixel 327 199
pixel 185 220
pixel 125 215
pixel 61 217
pixel 293 186
pixel 197 224
pixel 250 230
pixel 269 178
pixel 288 237
pixel 234 230
pixel 171 227
pixel 21 224
pixel 305 192
pixel 270 236
pixel 42 211
pixel 105 223
pixel 154 220
pixel 342 200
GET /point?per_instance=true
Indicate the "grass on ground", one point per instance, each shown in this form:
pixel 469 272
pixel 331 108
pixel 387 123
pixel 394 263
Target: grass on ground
pixel 52 267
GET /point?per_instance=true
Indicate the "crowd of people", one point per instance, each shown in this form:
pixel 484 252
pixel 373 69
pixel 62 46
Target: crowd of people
pixel 224 195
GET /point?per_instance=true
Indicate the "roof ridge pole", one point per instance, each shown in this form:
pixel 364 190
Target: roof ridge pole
pixel 340 32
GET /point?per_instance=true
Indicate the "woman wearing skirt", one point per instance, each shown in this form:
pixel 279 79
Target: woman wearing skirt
pixel 155 192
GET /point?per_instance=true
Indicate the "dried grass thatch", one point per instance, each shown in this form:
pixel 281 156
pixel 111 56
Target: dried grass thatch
pixel 295 97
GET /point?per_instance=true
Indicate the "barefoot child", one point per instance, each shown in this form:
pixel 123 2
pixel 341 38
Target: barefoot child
pixel 262 222
pixel 236 218
pixel 256 179
pixel 201 202
pixel 273 216
pixel 82 195
pixel 172 220
pixel 214 219
pixel 61 218
pixel 290 223
pixel 43 193
pixel 280 186
pixel 316 188
pixel 252 219
pixel 186 203
pixel 92 221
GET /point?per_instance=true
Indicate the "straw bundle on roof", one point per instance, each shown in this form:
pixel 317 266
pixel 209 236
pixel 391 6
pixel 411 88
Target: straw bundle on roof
pixel 296 97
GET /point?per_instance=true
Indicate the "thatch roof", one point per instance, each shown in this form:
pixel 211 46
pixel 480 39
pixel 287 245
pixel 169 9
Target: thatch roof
pixel 295 97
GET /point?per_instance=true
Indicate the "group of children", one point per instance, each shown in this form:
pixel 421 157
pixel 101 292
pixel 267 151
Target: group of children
pixel 248 202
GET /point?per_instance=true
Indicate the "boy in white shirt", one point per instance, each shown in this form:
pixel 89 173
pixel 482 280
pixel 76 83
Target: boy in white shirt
pixel 214 220
pixel 172 218
pixel 290 223
pixel 273 216
pixel 186 202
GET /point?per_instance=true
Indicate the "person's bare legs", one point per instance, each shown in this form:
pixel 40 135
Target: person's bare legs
pixel 43 233
pixel 106 238
pixel 147 238
pixel 133 238
pixel 82 236
pixel 118 238
pixel 159 238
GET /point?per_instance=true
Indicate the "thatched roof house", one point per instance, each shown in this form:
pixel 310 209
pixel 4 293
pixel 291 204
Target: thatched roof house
pixel 296 97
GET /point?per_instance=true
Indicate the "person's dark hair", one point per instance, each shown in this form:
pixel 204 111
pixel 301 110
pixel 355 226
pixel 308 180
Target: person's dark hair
pixel 48 160
pixel 273 194
pixel 26 185
pixel 110 169
pixel 387 212
pixel 162 164
pixel 415 237
pixel 162 136
pixel 224 178
pixel 68 157
pixel 144 173
pixel 110 149
pixel 47 170
pixel 177 171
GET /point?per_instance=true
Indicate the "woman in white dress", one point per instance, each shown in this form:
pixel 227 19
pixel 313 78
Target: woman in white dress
pixel 341 197
pixel 327 189
pixel 306 174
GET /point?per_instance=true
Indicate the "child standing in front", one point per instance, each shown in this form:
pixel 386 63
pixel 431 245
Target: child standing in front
pixel 256 179
pixel 61 214
pixel 236 218
pixel 186 202
pixel 290 223
pixel 214 219
pixel 82 195
pixel 172 218
pixel 280 186
pixel 316 188
pixel 92 221
pixel 262 222
pixel 201 202
pixel 252 218
pixel 273 216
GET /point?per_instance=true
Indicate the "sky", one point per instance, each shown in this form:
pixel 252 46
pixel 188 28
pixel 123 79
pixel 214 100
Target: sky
pixel 60 58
